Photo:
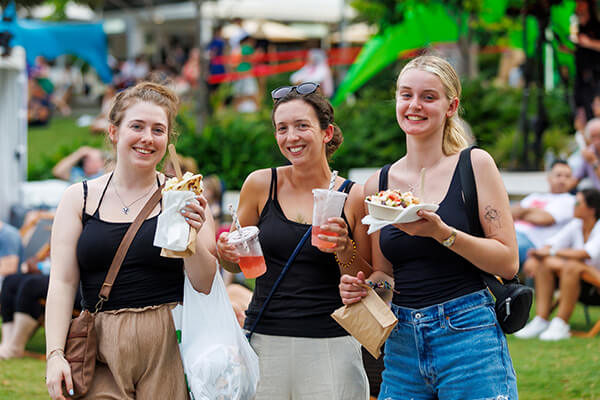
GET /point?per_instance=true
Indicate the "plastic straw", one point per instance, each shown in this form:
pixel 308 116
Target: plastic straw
pixel 422 185
pixel 236 223
pixel 334 175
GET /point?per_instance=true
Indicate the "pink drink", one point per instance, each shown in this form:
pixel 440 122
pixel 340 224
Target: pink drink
pixel 252 266
pixel 315 241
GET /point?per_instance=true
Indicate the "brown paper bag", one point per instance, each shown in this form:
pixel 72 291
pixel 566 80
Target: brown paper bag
pixel 369 321
pixel 189 251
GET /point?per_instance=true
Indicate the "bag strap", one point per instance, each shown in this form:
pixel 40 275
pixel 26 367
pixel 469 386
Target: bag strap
pixel 124 247
pixel 285 269
pixel 469 188
pixel 467 180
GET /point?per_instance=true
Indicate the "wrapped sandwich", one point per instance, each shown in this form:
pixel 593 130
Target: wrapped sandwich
pixel 188 181
pixel 173 233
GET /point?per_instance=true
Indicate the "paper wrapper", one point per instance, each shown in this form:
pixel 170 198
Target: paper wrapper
pixel 409 214
pixel 370 321
pixel 173 233
pixel 189 251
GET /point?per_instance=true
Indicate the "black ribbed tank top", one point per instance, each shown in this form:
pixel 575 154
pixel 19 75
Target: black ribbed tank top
pixel 145 278
pixel 425 272
pixel 308 294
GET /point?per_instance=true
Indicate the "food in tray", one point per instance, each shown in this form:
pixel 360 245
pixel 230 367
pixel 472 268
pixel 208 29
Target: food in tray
pixel 188 181
pixel 389 204
pixel 393 198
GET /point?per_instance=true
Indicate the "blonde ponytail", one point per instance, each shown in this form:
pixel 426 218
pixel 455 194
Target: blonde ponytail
pixel 455 137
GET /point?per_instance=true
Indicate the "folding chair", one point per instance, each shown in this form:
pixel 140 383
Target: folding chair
pixel 38 238
pixel 590 296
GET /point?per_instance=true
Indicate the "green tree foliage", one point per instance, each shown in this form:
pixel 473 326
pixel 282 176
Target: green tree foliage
pixel 476 20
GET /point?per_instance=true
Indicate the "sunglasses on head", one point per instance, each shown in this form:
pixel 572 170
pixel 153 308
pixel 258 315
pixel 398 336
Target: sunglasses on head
pixel 303 89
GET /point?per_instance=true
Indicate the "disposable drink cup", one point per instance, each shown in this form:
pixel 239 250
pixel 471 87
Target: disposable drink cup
pixel 326 204
pixel 252 261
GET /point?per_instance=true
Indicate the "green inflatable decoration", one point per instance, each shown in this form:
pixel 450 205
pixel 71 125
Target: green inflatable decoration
pixel 428 24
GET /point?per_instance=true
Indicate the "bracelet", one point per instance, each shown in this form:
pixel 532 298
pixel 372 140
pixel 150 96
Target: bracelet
pixel 449 241
pixel 347 265
pixel 55 352
pixel 381 285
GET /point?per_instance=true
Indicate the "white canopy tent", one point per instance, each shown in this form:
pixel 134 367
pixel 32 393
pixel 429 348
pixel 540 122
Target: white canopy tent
pixel 13 129
pixel 179 17
pixel 272 31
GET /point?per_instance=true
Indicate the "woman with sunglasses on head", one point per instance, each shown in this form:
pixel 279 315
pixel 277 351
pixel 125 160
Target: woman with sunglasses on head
pixel 304 354
pixel 447 343
pixel 573 250
pixel 137 352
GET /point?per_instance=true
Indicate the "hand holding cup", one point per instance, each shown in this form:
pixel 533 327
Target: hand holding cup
pixel 332 236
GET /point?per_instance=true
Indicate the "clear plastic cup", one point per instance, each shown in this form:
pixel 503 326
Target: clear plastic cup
pixel 252 261
pixel 326 204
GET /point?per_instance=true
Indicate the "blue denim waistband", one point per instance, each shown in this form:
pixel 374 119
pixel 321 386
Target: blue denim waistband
pixel 437 311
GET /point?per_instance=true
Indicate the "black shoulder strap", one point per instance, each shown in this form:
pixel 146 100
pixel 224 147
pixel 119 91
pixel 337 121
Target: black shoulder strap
pixel 273 186
pixel 85 193
pixel 467 180
pixel 383 177
pixel 469 188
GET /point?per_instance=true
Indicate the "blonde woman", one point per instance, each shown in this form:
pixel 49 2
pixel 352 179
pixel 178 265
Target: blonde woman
pixel 448 343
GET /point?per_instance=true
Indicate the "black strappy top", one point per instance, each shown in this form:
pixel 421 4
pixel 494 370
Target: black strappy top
pixel 145 278
pixel 425 272
pixel 308 294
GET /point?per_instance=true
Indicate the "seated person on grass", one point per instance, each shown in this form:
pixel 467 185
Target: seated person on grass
pixel 21 304
pixel 566 255
pixel 11 250
pixel 540 215
pixel 84 163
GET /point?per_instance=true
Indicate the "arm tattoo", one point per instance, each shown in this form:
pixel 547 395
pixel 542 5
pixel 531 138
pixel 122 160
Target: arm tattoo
pixel 492 216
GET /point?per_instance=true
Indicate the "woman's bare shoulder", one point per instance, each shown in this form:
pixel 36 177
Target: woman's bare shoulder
pixel 481 159
pixel 257 180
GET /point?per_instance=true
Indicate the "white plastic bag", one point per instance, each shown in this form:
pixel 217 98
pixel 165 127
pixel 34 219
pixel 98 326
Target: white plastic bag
pixel 217 359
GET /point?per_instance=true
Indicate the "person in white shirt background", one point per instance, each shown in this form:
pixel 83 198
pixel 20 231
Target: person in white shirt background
pixel 540 215
pixel 316 70
pixel 574 249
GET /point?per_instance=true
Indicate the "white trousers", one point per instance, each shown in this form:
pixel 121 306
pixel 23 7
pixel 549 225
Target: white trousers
pixel 296 368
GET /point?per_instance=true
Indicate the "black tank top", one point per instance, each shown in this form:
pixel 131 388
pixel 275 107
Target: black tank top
pixel 425 272
pixel 308 294
pixel 145 278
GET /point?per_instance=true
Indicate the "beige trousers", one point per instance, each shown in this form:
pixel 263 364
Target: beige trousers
pixel 295 368
pixel 138 356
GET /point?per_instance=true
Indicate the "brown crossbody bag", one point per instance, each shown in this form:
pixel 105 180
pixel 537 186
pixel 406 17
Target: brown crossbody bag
pixel 81 345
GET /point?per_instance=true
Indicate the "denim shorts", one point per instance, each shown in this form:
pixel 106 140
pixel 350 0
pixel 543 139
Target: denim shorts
pixel 453 350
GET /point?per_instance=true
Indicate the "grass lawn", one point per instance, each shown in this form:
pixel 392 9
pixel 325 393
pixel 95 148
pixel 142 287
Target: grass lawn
pixel 24 379
pixel 48 144
pixel 564 370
